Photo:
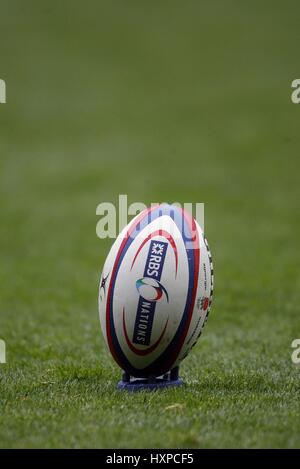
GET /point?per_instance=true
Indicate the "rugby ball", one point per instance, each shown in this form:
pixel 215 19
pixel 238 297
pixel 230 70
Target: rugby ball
pixel 155 291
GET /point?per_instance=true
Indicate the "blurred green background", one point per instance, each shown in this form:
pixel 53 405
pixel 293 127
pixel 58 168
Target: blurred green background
pixel 163 101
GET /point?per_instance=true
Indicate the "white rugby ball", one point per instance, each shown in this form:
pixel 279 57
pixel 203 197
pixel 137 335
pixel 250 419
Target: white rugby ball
pixel 155 291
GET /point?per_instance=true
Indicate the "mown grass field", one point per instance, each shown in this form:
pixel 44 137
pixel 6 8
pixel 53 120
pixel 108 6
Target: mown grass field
pixel 163 101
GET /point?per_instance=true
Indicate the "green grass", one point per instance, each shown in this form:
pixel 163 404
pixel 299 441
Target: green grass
pixel 163 101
